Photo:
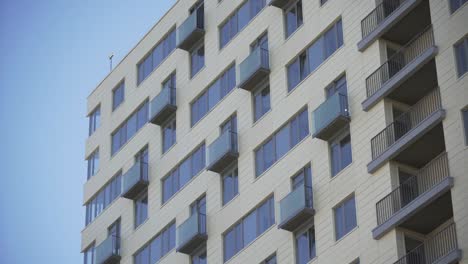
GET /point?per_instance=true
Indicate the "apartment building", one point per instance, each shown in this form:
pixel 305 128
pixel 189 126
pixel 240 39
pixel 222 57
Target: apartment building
pixel 284 131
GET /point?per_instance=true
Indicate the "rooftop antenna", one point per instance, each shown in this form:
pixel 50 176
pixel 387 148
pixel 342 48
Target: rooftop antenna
pixel 110 60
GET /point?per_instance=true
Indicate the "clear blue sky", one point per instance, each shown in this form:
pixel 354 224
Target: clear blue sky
pixel 52 55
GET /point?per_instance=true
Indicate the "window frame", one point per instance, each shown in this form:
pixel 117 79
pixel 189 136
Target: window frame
pixel 230 172
pixel 336 140
pixel 94 121
pixel 120 85
pixel 463 42
pixel 196 48
pixel 170 122
pixel 138 215
pixel 342 203
pixel 239 225
pixel 290 6
pixel 306 229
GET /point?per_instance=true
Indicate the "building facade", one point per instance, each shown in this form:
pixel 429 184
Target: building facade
pixel 306 131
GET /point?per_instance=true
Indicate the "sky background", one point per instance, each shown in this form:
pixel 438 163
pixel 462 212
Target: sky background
pixel 52 55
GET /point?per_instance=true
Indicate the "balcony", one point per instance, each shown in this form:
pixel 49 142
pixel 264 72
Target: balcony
pixel 441 248
pixel 400 67
pixel 192 30
pixel 331 116
pixel 406 129
pixel 430 182
pixel 108 252
pixel 279 3
pixel 223 151
pixel 163 105
pixel 254 69
pixel 385 16
pixel 296 208
pixel 135 180
pixel 191 233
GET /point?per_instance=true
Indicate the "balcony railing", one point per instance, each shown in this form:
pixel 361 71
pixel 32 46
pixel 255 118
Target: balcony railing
pixel 427 178
pixel 223 151
pixel 331 116
pixel 296 208
pixel 412 50
pixel 108 252
pixel 135 180
pixel 438 247
pixel 163 105
pixel 191 233
pixel 254 68
pixel 191 30
pixel 406 122
pixel 379 14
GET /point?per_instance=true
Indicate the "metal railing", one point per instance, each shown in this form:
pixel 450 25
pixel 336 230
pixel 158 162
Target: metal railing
pixel 433 249
pixel 425 179
pixel 406 54
pixel 259 58
pixel 194 22
pixel 326 112
pixel 167 96
pixel 108 248
pixel 226 142
pixel 404 123
pixel 379 14
pixel 139 171
pixel 298 199
pixel 194 225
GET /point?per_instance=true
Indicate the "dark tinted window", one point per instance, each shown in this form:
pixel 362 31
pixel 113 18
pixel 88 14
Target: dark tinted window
pixel 158 247
pixel 345 217
pixel 315 54
pixel 461 54
pixel 281 142
pixel 230 185
pixel 169 134
pixel 465 124
pixel 341 155
pixel 94 120
pixel 305 246
pixel 293 17
pixel 118 95
pixel 261 102
pixel 197 60
pixel 456 4
pixel 141 210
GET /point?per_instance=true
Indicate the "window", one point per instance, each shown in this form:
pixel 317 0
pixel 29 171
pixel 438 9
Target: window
pixel 261 102
pixel 103 198
pixel 305 246
pixel 281 142
pixel 158 247
pixel 185 171
pixel 169 134
pixel 89 255
pixel 322 2
pixel 293 17
pixel 314 55
pixel 114 229
pixel 230 185
pixel 338 86
pixel 302 178
pixel 156 56
pixel 199 258
pixel 229 125
pixel 340 153
pixel 345 217
pixel 118 95
pixel 238 20
pixel 199 206
pixel 211 96
pixel 456 4
pixel 141 209
pixel 197 60
pixel 250 227
pixel 94 120
pixel 93 163
pixel 270 260
pixel 129 128
pixel 261 42
pixel 461 55
pixel 465 124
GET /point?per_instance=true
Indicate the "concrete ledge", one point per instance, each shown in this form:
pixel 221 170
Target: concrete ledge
pixel 387 23
pixel 451 258
pixel 413 207
pixel 400 77
pixel 408 139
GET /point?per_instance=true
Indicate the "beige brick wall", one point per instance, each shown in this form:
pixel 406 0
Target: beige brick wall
pixel 328 192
